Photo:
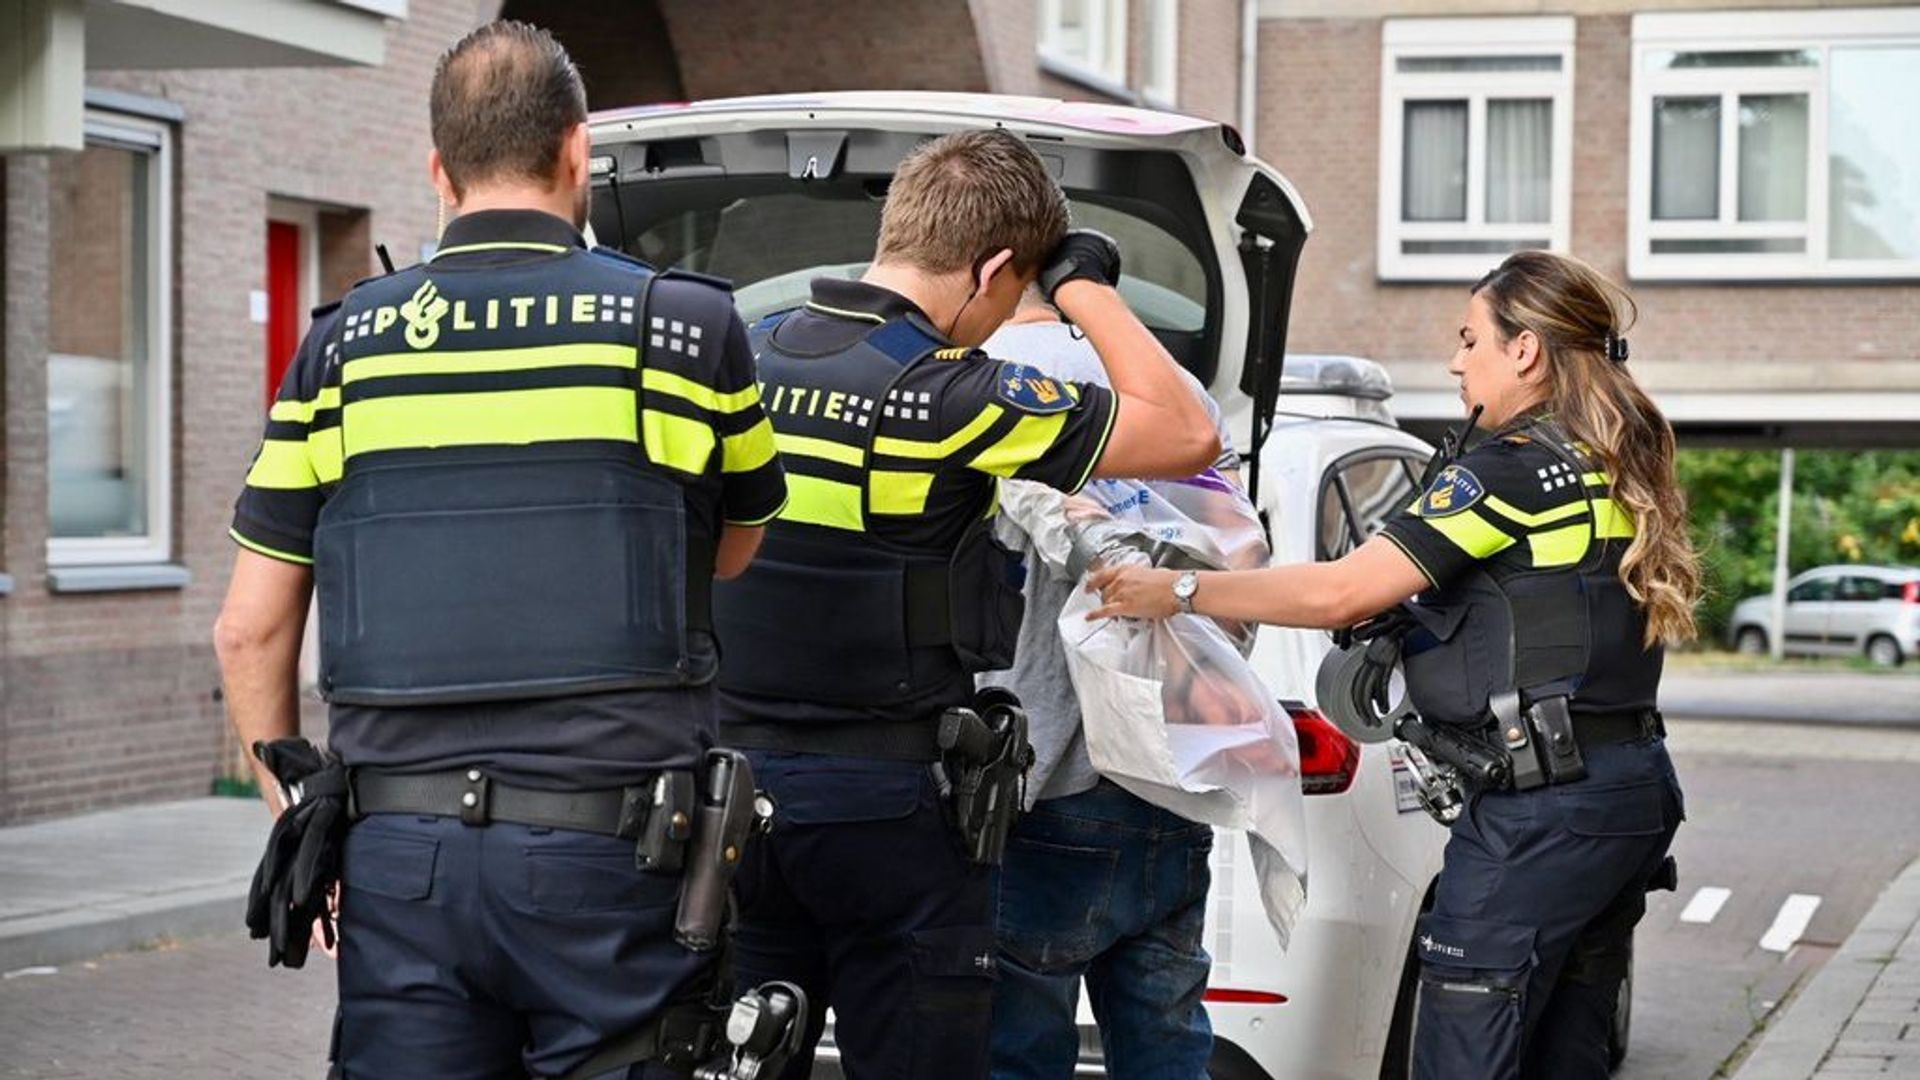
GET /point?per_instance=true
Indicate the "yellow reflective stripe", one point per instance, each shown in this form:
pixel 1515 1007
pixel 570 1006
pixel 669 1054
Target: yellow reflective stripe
pixel 271 553
pixel 824 449
pixel 1533 521
pixel 666 382
pixel 1595 479
pixel 868 316
pixel 1471 533
pixel 579 354
pixel 503 245
pixel 748 450
pixel 1029 440
pixel 301 412
pixel 900 492
pixel 947 447
pixel 323 450
pixel 814 501
pixel 1560 547
pixel 677 442
pixel 511 417
pixel 282 465
pixel 1611 521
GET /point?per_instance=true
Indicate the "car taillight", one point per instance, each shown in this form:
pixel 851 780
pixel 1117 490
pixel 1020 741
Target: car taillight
pixel 1911 594
pixel 1328 759
pixel 1222 996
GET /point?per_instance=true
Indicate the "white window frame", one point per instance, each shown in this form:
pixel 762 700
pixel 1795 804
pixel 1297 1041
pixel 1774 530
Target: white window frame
pixel 1161 89
pixel 1550 35
pixel 1747 31
pixel 1106 65
pixel 128 132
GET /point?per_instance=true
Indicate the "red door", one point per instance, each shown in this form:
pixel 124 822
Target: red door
pixel 283 301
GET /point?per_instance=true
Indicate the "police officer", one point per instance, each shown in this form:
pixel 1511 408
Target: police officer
pixel 512 508
pixel 880 591
pixel 1552 561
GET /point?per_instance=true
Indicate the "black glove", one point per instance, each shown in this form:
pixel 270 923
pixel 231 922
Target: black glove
pixel 302 861
pixel 1082 254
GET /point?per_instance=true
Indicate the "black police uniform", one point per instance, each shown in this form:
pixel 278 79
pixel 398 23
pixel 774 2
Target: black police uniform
pixel 876 597
pixel 1531 929
pixel 512 515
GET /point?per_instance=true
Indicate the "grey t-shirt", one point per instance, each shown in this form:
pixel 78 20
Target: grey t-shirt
pixel 1039 674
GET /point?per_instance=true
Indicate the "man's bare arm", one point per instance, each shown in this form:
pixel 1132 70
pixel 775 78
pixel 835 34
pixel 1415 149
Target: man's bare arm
pixel 257 638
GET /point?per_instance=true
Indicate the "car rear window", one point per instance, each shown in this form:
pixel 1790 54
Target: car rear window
pixel 771 244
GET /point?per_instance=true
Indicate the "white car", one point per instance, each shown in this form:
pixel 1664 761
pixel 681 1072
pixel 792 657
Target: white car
pixel 771 191
pixel 1847 610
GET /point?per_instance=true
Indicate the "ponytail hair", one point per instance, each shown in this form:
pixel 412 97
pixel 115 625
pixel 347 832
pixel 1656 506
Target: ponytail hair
pixel 1580 318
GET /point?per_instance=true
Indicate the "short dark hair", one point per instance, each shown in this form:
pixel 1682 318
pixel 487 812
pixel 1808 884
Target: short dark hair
pixel 503 100
pixel 967 195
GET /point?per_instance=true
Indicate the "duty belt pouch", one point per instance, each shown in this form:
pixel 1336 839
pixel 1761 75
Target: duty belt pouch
pixel 985 596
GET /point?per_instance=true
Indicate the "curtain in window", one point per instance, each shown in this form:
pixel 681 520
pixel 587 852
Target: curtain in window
pixel 1773 157
pixel 1433 178
pixel 1686 158
pixel 1519 160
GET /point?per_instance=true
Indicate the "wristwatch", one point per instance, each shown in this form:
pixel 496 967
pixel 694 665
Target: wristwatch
pixel 1184 587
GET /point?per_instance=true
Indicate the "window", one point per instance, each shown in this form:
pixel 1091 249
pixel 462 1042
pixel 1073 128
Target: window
pixel 1862 589
pixel 109 364
pixel 1776 147
pixel 1159 83
pixel 1476 143
pixel 1359 493
pixel 1810 591
pixel 1086 40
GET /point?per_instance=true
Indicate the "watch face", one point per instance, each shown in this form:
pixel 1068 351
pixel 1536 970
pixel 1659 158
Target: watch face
pixel 1185 585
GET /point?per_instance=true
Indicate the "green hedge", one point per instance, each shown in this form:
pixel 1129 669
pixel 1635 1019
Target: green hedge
pixel 1848 506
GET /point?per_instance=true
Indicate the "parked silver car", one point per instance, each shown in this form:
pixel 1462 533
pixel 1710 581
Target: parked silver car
pixel 1839 611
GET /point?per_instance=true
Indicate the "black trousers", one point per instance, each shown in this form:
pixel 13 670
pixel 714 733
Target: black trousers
pixel 1531 929
pixel 497 952
pixel 861 895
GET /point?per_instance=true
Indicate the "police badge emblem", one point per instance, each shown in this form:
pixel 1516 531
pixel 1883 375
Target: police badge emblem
pixel 1454 490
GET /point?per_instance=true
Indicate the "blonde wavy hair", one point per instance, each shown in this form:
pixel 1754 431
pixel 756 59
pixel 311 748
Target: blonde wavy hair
pixel 1577 314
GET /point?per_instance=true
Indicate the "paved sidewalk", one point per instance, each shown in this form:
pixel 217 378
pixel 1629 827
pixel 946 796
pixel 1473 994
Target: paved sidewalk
pixel 1851 697
pixel 1860 1016
pixel 110 881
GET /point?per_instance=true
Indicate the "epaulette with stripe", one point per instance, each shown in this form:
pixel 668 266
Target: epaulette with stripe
pixel 959 352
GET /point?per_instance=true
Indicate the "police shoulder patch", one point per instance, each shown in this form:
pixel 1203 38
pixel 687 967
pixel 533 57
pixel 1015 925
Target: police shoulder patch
pixel 1025 388
pixel 1454 490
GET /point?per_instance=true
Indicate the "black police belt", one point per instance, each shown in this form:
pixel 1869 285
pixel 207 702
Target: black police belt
pixel 478 799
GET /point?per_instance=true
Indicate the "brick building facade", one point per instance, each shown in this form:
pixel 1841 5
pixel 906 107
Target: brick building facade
pixel 108 685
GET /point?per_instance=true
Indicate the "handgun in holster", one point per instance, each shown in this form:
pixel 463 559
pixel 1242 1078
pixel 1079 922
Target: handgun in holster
pixel 727 811
pixel 1480 766
pixel 984 758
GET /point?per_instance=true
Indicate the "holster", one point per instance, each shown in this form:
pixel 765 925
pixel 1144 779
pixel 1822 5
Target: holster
pixel 984 758
pixel 728 811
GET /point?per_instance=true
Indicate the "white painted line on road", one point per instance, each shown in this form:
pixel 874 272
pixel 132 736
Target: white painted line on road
pixel 1705 904
pixel 1792 921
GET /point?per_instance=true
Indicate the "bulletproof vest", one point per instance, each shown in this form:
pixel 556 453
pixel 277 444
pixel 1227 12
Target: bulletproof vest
pixel 830 611
pixel 1496 630
pixel 462 559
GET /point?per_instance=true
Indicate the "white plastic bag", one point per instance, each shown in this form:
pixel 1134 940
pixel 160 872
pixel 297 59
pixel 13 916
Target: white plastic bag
pixel 1172 711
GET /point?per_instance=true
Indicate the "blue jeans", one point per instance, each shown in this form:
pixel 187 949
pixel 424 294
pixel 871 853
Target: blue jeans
pixel 1105 886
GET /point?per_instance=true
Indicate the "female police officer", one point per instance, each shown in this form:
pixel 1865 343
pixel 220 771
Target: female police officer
pixel 1553 561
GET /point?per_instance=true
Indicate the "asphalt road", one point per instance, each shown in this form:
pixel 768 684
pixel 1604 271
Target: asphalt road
pixel 1776 810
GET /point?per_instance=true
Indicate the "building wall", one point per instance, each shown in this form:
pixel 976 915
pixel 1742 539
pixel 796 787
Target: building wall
pixel 1319 120
pixel 111 698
